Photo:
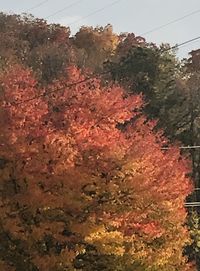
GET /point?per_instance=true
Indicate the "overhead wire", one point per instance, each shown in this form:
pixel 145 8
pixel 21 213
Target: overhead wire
pixel 36 6
pixel 187 204
pixel 91 77
pixel 63 9
pixel 192 204
pixel 171 22
pixel 95 12
pixel 183 43
pixel 53 91
pixel 182 147
pixel 113 3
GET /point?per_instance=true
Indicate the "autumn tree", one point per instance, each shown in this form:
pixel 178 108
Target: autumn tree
pixel 94 46
pixel 186 129
pixel 170 94
pixel 78 192
pixel 34 43
pixel 48 48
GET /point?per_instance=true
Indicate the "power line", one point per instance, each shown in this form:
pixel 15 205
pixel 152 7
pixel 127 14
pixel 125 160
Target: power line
pixel 36 6
pixel 53 91
pixel 182 147
pixel 63 9
pixel 187 204
pixel 192 204
pixel 171 22
pixel 91 77
pixel 95 12
pixel 183 43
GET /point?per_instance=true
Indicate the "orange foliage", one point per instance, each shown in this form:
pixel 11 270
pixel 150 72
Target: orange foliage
pixel 71 179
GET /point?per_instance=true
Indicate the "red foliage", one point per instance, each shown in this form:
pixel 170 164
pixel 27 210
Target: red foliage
pixel 72 167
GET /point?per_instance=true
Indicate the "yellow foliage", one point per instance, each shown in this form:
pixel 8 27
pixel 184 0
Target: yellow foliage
pixel 107 242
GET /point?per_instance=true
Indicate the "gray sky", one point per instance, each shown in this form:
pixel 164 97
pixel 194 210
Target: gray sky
pixel 137 16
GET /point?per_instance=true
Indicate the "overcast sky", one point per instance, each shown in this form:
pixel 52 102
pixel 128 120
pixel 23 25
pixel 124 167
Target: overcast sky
pixel 137 16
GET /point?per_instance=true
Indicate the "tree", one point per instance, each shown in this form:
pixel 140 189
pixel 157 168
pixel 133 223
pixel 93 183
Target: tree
pixel 189 133
pixel 145 68
pixel 194 249
pixel 94 46
pixel 186 121
pixel 77 192
pixel 34 43
pixel 171 94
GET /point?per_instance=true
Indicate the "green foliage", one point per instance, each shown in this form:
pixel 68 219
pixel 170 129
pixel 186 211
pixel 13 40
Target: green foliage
pixel 195 231
pixel 153 72
pixel 171 95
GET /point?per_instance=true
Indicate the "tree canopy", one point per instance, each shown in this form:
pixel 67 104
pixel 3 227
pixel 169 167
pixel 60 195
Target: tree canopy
pixel 77 191
pixel 89 178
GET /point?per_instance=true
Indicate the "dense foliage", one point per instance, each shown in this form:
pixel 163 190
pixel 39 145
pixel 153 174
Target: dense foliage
pixel 85 183
pixel 74 186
